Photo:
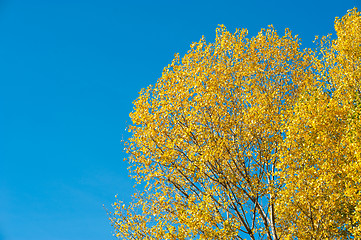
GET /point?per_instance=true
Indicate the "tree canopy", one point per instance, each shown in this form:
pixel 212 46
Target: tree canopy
pixel 250 138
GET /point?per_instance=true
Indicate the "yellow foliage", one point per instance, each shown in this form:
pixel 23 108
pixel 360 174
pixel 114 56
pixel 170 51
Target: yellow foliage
pixel 320 157
pixel 250 138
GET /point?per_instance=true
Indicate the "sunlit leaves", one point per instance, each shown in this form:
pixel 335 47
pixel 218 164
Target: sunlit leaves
pixel 249 138
pixel 320 154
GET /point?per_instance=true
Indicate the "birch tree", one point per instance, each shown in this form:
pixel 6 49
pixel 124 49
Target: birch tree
pixel 249 138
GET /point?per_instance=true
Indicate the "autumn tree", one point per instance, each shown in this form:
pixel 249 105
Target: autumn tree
pixel 321 164
pixel 249 138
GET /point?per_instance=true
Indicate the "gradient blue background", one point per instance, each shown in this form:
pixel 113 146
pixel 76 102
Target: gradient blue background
pixel 69 71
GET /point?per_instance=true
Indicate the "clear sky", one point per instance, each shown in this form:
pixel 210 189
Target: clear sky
pixel 69 71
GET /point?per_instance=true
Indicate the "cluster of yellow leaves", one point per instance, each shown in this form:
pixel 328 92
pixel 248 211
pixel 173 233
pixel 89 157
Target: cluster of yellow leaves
pixel 320 165
pixel 250 138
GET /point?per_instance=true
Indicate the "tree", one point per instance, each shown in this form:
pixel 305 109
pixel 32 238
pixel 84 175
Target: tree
pixel 321 152
pixel 249 138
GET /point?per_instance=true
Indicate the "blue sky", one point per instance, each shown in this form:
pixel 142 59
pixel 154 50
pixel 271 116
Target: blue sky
pixel 69 73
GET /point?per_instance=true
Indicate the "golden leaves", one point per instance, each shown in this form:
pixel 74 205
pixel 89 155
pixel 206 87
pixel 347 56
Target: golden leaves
pixel 318 154
pixel 249 136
